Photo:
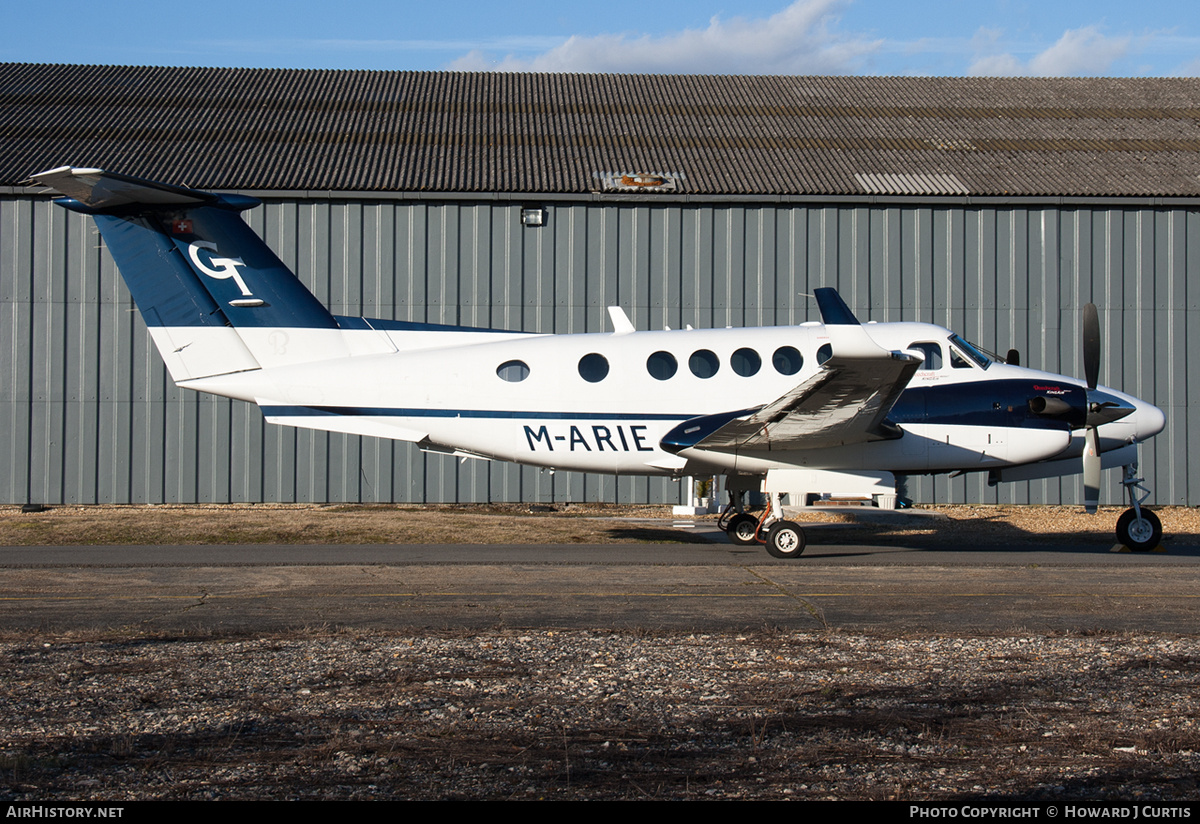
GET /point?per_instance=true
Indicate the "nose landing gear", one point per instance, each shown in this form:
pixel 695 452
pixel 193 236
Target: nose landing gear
pixel 1137 528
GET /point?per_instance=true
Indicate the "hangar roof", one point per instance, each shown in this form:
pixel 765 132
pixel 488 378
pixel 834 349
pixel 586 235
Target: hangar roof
pixel 382 131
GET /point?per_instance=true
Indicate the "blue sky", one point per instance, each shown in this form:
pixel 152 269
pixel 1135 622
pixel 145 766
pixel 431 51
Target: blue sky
pixel 935 37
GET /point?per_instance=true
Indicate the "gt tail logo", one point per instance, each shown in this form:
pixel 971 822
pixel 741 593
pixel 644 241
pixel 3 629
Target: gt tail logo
pixel 220 268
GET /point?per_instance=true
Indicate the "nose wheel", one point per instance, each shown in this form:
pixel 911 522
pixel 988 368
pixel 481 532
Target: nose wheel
pixel 1140 532
pixel 1138 528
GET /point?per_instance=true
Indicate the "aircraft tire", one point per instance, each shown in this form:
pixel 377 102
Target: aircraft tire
pixel 785 540
pixel 1139 534
pixel 742 529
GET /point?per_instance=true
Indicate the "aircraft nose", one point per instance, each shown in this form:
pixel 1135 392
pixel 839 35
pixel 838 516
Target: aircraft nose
pixel 1148 420
pixel 1129 419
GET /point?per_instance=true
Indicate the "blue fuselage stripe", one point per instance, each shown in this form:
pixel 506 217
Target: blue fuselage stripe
pixel 991 404
pixel 502 414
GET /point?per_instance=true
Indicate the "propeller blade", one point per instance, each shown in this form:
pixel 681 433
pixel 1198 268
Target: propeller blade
pixel 1091 470
pixel 1091 345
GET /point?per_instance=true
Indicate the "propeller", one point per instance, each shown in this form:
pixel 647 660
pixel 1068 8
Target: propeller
pixel 1099 408
pixel 1091 371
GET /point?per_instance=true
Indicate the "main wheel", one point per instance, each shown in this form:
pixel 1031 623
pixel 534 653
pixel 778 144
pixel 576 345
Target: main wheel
pixel 1139 534
pixel 785 540
pixel 742 528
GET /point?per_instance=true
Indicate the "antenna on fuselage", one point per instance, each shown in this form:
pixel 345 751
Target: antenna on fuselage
pixel 622 325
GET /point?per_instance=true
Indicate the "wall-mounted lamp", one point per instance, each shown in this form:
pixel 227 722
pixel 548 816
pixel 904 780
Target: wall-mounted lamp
pixel 533 216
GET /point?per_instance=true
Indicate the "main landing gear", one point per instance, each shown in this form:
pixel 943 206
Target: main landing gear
pixel 1137 528
pixel 782 538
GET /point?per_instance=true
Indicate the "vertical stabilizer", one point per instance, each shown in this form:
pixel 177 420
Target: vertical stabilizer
pixel 216 298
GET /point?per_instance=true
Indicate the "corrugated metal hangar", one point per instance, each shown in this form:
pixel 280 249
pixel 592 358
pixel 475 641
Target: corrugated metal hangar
pixel 997 207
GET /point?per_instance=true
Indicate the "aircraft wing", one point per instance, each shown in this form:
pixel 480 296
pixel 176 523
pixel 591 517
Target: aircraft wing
pixel 846 402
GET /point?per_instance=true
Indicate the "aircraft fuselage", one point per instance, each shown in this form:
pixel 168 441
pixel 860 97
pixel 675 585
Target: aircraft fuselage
pixel 604 402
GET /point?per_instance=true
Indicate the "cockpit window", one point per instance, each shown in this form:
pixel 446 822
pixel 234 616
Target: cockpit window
pixel 932 352
pixel 971 351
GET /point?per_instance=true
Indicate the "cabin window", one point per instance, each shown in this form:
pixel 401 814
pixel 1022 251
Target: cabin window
pixel 513 371
pixel 787 360
pixel 746 362
pixel 662 366
pixel 593 368
pixel 932 354
pixel 703 363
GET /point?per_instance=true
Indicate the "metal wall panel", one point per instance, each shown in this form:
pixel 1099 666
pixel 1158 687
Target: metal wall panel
pixel 90 415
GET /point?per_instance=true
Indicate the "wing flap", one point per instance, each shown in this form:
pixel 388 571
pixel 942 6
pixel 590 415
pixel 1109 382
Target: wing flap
pixel 846 402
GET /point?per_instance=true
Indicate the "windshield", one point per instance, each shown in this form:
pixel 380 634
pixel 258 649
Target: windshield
pixel 971 351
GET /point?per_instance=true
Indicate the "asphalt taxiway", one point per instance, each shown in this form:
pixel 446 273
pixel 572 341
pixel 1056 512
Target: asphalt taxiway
pixel 693 587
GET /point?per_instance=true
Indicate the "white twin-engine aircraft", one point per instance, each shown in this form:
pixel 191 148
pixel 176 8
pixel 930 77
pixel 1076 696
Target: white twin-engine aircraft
pixel 760 406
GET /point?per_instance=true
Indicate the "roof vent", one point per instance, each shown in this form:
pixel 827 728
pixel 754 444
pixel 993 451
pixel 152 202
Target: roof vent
pixel 640 181
pixel 916 183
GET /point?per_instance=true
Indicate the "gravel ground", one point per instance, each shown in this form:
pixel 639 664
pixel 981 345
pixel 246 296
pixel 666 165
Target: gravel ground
pixel 615 715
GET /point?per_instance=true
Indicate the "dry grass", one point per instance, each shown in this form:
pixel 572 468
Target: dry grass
pixel 516 524
pixel 330 524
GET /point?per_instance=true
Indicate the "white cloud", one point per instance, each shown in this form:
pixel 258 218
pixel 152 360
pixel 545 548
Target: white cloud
pixel 1083 51
pixel 801 39
pixel 1190 68
pixel 997 65
pixel 1080 51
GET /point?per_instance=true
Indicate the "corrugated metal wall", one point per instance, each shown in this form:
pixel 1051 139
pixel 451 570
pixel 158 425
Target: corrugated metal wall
pixel 91 416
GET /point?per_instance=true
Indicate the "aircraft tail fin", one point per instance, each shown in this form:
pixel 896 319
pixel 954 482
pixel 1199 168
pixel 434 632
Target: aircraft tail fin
pixel 216 298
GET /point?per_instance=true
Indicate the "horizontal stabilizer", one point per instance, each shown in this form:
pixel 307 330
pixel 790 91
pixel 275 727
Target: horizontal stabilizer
pixel 103 190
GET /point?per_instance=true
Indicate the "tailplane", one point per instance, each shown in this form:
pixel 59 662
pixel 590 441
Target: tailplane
pixel 215 297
